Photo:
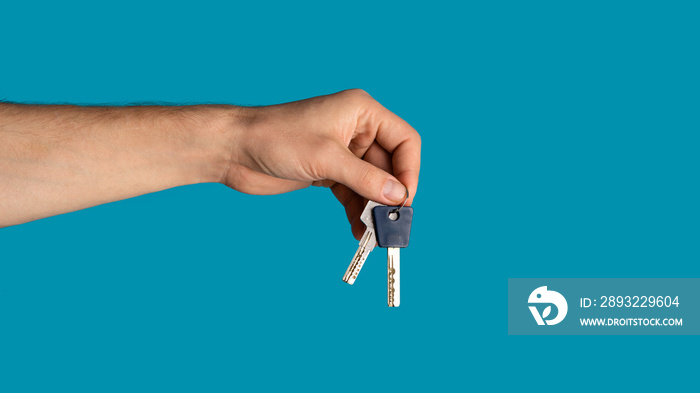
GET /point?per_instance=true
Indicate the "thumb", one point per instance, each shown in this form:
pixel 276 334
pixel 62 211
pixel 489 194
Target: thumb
pixel 366 179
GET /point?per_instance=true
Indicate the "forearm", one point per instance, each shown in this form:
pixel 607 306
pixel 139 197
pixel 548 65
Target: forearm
pixel 55 159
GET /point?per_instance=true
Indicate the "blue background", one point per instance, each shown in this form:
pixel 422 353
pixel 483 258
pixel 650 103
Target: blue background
pixel 560 139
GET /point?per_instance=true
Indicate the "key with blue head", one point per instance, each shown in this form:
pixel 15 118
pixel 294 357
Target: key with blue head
pixel 392 226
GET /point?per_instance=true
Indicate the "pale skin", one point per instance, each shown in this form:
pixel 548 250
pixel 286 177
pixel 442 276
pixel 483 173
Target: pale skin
pixel 56 159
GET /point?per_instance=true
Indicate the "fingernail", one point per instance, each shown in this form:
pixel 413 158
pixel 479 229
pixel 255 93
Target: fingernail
pixel 394 191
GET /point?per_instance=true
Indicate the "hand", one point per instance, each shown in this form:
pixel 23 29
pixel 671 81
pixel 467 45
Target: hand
pixel 346 141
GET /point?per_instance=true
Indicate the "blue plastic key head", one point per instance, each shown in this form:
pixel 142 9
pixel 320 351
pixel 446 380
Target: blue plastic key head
pixel 392 226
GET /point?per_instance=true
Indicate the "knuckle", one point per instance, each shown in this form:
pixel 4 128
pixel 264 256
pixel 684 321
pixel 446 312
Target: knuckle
pixel 358 92
pixel 358 95
pixel 413 139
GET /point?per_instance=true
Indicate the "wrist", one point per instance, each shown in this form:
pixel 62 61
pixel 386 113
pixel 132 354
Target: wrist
pixel 218 130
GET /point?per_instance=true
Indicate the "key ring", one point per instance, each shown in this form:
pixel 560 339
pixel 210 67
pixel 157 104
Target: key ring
pixel 404 202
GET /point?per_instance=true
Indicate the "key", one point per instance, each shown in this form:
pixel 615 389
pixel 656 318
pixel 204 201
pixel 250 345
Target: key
pixel 367 244
pixel 393 230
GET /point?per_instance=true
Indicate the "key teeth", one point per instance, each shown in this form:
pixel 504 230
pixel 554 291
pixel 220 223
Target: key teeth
pixel 393 277
pixel 366 245
pixel 350 280
pixel 390 283
pixel 352 273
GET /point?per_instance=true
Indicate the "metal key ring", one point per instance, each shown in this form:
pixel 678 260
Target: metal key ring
pixel 404 202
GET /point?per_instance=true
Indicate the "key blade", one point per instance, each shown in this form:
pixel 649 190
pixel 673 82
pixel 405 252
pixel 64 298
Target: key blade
pixel 367 244
pixel 393 276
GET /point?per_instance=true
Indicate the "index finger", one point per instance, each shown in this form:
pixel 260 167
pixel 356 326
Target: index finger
pixel 397 137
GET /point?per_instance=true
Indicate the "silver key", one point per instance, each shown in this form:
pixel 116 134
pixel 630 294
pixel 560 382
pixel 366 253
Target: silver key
pixel 393 276
pixel 367 244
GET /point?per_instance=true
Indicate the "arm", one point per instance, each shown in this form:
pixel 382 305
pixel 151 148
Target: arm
pixel 55 158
